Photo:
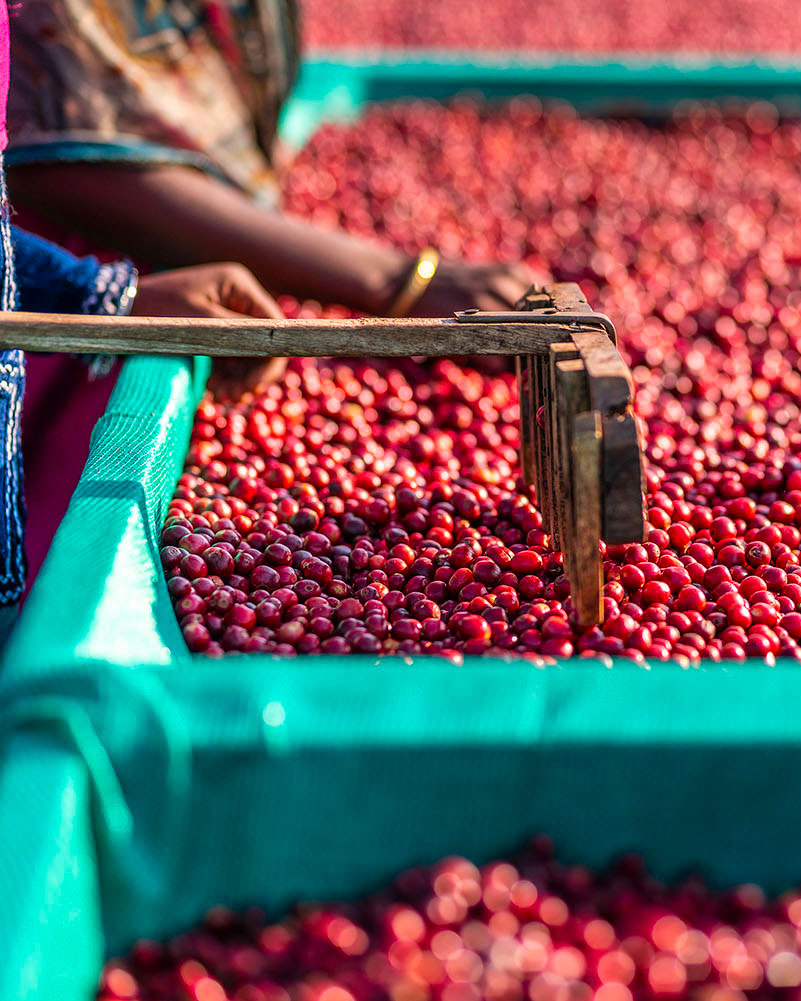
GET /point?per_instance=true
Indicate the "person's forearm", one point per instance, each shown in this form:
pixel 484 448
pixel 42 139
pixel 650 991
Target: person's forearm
pixel 172 216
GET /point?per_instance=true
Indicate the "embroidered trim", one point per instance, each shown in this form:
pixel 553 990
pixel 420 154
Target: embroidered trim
pixel 12 367
pixel 113 295
pixel 13 579
pixel 114 290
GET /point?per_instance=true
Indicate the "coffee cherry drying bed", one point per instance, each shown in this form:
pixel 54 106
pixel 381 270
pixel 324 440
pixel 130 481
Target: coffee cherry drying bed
pixel 578 441
pixel 148 785
pixel 310 474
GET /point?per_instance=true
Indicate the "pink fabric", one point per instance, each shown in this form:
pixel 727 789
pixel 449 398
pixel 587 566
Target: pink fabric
pixel 60 409
pixel 5 62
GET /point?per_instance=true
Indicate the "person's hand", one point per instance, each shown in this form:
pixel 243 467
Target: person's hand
pixel 221 290
pixel 204 290
pixel 458 285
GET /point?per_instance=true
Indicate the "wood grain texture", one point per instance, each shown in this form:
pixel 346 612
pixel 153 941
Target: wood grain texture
pixel 586 578
pixel 567 376
pixel 570 399
pixel 527 446
pixel 538 455
pixel 567 297
pixel 544 400
pixel 370 337
pixel 535 298
pixel 623 503
pixel 608 374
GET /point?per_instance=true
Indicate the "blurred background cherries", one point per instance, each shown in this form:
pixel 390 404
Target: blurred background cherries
pixel 526 929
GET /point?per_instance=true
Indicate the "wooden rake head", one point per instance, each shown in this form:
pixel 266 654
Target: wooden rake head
pixel 579 443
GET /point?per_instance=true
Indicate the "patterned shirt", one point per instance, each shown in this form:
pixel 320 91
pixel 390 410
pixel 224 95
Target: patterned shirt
pixel 193 81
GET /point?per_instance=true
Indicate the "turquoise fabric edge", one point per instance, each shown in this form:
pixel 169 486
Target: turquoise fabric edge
pixel 50 919
pixel 248 782
pixel 132 153
pixel 335 85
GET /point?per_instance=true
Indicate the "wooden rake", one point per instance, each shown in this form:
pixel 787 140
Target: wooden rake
pixel 579 442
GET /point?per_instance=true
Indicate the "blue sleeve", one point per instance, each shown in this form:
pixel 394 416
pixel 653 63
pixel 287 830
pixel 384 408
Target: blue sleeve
pixel 52 280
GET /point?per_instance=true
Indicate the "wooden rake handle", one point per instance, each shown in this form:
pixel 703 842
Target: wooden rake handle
pixel 369 337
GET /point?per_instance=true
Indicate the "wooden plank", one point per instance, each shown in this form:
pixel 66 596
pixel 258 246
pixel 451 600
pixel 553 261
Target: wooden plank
pixel 534 298
pixel 609 377
pixel 542 403
pixel 586 578
pixel 372 336
pixel 567 297
pixel 527 445
pixel 537 461
pixel 538 458
pixel 623 503
pixel 570 400
pixel 573 386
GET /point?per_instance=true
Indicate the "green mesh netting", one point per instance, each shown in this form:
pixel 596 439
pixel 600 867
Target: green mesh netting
pixel 101 593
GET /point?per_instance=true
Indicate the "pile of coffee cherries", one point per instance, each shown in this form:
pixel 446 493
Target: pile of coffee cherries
pixel 376 506
pixel 528 929
pixel 736 26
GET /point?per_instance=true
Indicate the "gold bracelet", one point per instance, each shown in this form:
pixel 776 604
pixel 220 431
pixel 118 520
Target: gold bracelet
pixel 424 270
